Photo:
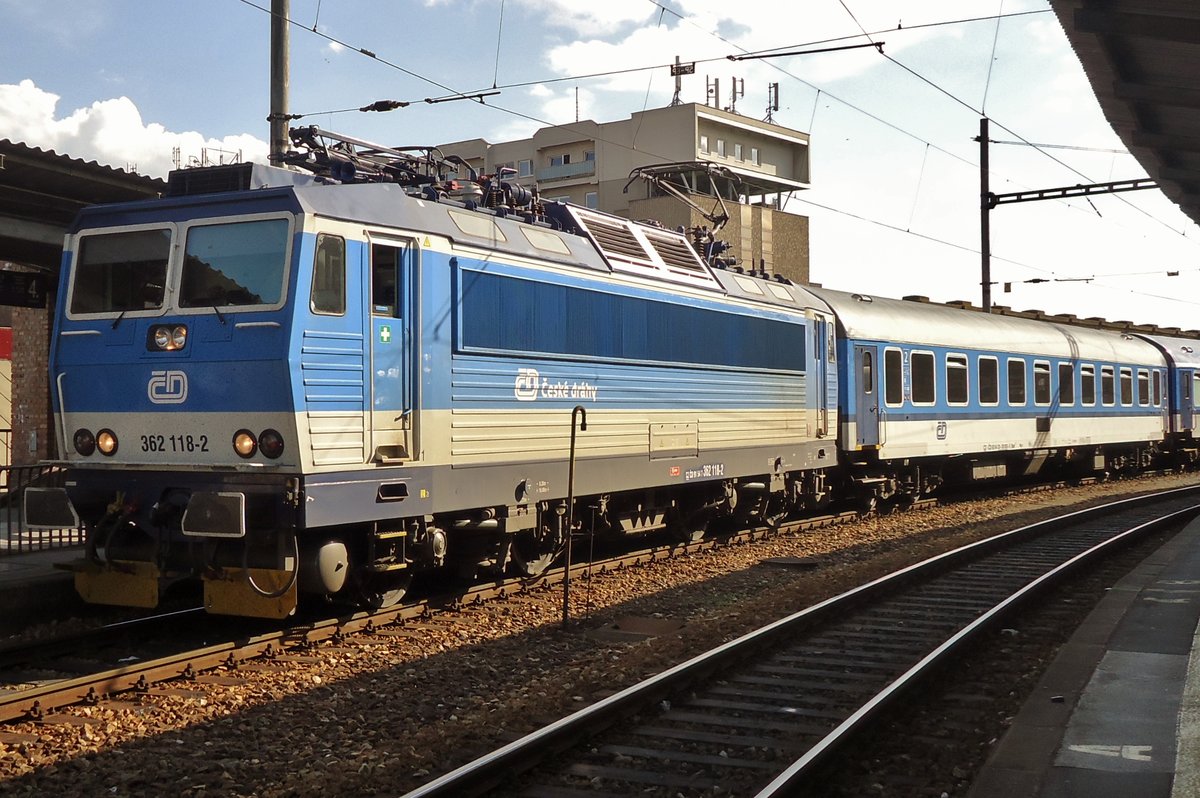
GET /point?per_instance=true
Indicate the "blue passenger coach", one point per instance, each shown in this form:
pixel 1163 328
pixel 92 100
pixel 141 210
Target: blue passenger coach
pixel 281 384
pixel 931 393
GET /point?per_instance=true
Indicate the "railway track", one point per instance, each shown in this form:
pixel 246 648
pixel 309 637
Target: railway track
pixel 38 678
pixel 760 714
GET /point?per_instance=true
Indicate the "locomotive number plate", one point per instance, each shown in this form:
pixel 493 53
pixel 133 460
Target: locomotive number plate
pixel 175 444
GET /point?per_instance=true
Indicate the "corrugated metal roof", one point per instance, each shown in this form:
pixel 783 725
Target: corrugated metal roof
pixel 1142 58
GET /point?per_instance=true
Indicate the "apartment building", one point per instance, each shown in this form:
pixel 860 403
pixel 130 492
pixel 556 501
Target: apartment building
pixel 589 163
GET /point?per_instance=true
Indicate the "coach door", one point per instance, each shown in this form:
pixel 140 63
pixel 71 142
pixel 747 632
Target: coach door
pixel 866 406
pixel 392 322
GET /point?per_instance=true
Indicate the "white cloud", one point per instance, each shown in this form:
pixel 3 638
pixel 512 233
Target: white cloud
pixel 110 132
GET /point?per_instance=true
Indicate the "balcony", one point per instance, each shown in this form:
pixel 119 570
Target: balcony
pixel 566 171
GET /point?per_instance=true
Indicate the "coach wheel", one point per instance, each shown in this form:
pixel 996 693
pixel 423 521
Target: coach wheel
pixel 534 553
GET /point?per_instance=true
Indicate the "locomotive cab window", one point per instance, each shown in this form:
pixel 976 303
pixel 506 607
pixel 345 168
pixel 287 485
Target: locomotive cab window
pixel 1041 382
pixel 329 276
pixel 924 389
pixel 989 380
pixel 957 389
pixel 120 272
pixel 1016 382
pixel 1087 384
pixel 1066 384
pixel 893 377
pixel 1127 386
pixel 234 264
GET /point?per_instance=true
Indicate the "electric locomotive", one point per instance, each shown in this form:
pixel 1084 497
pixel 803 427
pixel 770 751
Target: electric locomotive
pixel 324 379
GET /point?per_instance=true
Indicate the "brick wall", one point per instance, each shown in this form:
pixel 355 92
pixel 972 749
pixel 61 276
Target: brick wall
pixel 32 436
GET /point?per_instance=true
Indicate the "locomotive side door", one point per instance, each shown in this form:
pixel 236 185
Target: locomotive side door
pixel 392 313
pixel 866 405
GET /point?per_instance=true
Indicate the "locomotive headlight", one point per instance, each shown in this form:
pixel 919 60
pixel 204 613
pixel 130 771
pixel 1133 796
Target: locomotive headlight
pixel 271 443
pixel 106 442
pixel 165 338
pixel 244 443
pixel 85 442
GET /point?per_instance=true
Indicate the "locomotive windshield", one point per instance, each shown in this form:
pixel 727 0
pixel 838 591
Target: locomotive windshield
pixel 241 263
pixel 119 272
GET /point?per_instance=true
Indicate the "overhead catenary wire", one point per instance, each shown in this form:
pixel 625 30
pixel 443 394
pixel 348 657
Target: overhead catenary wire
pixel 454 94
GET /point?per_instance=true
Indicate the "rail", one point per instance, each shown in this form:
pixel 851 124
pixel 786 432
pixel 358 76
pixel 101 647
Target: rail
pixel 800 687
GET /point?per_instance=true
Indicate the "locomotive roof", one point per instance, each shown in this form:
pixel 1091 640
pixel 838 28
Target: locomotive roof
pixel 876 318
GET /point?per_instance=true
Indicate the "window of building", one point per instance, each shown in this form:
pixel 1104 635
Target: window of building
pixel 893 377
pixel 957 389
pixel 704 144
pixel 754 155
pixel 721 147
pixel 924 390
pixel 1127 386
pixel 1066 384
pixel 560 160
pixel 1108 388
pixel 989 381
pixel 590 155
pixel 737 151
pixel 591 200
pixel 1041 382
pixel 1087 384
pixel 1016 382
pixel 1143 378
pixel 525 167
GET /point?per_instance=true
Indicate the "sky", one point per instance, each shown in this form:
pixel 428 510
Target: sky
pixel 894 197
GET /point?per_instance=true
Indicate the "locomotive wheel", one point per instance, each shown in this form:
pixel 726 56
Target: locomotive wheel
pixel 380 591
pixel 689 526
pixel 533 554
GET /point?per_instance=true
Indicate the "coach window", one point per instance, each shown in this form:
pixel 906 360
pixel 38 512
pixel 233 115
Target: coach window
pixel 1066 384
pixel 1016 382
pixel 1041 382
pixel 924 390
pixel 1143 378
pixel 1108 392
pixel 956 379
pixel 1196 390
pixel 329 276
pixel 1126 386
pixel 868 371
pixel 1157 388
pixel 989 381
pixel 1087 384
pixel 893 377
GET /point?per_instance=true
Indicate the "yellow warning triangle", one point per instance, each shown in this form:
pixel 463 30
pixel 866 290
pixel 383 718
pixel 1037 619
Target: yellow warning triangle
pixel 426 242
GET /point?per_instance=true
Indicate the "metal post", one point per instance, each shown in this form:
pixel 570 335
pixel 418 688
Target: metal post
pixel 280 13
pixel 985 225
pixel 577 411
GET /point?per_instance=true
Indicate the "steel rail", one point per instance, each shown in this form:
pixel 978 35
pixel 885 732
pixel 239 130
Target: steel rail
pixel 486 772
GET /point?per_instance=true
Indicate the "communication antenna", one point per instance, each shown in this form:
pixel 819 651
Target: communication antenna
pixel 713 92
pixel 772 101
pixel 738 90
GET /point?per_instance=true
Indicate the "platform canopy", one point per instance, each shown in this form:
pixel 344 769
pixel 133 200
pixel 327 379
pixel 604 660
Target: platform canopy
pixel 1142 58
pixel 40 193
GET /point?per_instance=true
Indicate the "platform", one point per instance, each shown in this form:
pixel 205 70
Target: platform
pixel 30 585
pixel 1117 714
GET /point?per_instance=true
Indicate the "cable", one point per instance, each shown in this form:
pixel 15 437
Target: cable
pixel 991 61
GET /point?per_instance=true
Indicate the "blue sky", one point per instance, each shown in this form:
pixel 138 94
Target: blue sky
pixel 894 168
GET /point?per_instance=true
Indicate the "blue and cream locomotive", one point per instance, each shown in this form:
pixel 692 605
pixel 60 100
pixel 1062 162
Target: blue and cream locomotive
pixel 322 382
